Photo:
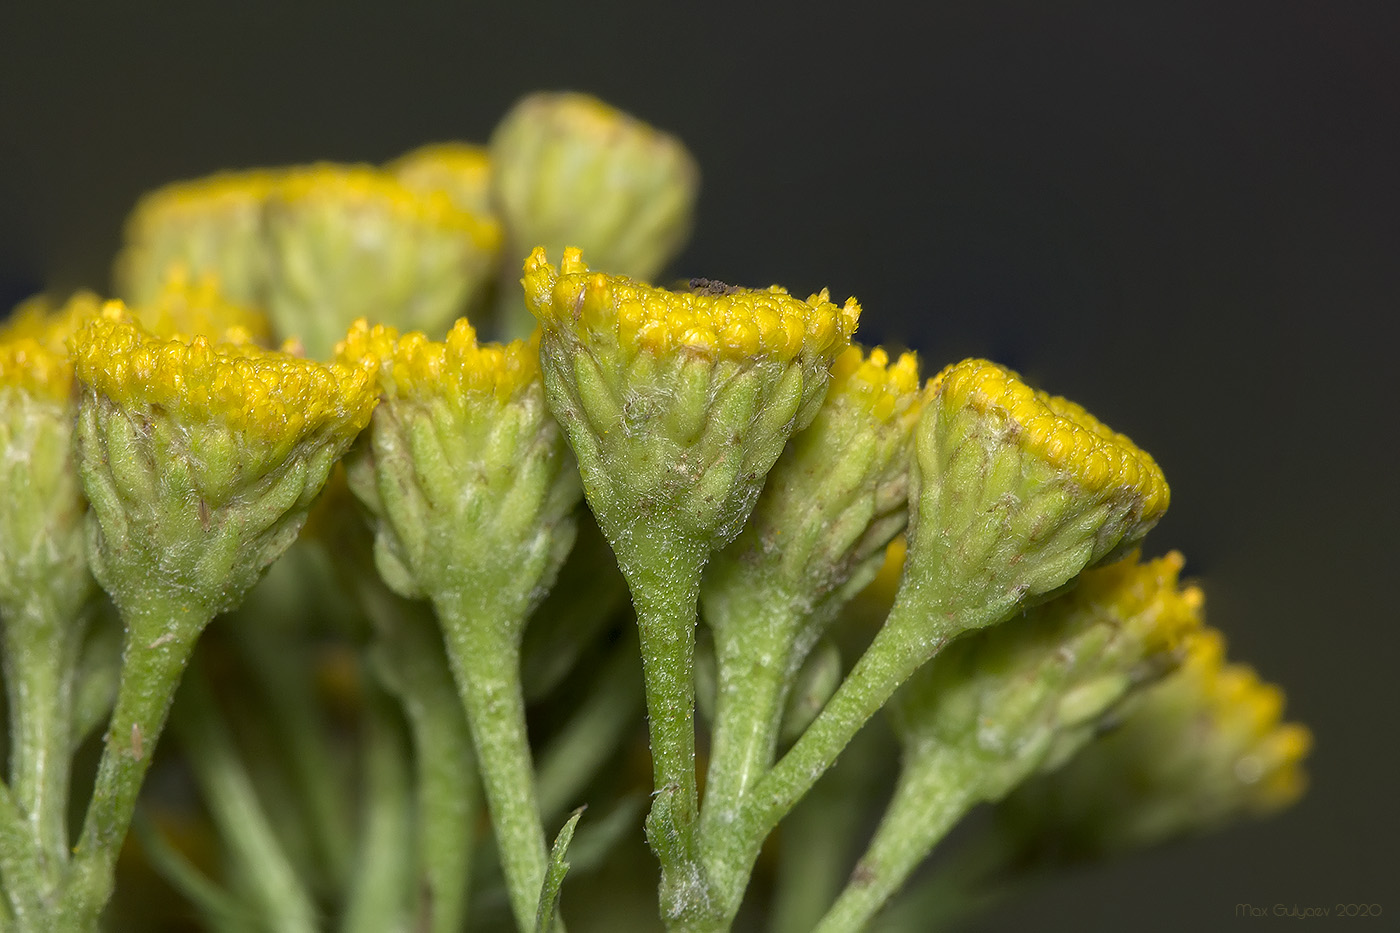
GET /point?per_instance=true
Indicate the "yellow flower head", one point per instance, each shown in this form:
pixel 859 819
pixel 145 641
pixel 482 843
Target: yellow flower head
pixel 889 391
pixel 716 323
pixel 33 345
pixel 263 393
pixel 1059 431
pixel 460 170
pixel 209 225
pixel 1245 715
pixel 455 369
pixel 353 241
pixel 362 189
pixel 1148 595
pixel 187 307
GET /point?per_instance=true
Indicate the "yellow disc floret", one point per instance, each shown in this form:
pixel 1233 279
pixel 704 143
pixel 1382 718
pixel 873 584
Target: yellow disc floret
pixel 735 324
pixel 889 391
pixel 1247 715
pixel 259 392
pixel 361 187
pixel 34 345
pixel 1059 431
pixel 186 308
pixel 1147 594
pixel 412 366
pixel 461 170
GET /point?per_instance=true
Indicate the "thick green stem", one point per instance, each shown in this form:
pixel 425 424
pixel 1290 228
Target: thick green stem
pixel 284 903
pixel 484 649
pixel 448 789
pixel 161 631
pixel 381 887
pixel 933 793
pixel 754 658
pixel 19 871
pixel 914 632
pixel 821 837
pixel 664 576
pixel 41 647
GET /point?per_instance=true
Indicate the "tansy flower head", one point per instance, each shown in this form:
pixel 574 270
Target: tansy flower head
pixel 838 494
pixel 1028 693
pixel 201 459
pixel 731 323
pixel 210 225
pixel 1019 490
pixel 459 170
pixel 1204 746
pixel 467 475
pixel 34 345
pixel 570 170
pixel 352 241
pixel 678 403
pixel 455 369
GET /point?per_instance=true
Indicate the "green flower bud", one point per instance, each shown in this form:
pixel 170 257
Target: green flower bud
pixel 569 170
pixel 352 242
pixel 677 404
pixel 1017 492
pixel 201 459
pixel 468 476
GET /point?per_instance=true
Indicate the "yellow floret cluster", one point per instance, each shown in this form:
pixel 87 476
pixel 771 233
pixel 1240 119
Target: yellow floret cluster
pixel 186 308
pixel 738 324
pixel 34 345
pixel 889 391
pixel 361 187
pixel 261 392
pixel 412 366
pixel 1248 714
pixel 460 169
pixel 1165 613
pixel 222 194
pixel 1058 430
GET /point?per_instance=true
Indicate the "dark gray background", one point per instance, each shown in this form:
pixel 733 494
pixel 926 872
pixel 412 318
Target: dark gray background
pixel 1181 215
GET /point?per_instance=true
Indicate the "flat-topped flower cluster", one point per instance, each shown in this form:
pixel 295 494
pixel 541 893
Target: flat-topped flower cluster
pixel 726 456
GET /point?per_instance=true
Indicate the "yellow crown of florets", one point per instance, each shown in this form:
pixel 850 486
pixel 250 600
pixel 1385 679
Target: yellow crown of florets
pixel 889 391
pixel 1058 430
pixel 736 324
pixel 460 161
pixel 34 344
pixel 1149 595
pixel 261 392
pixel 187 308
pixel 361 187
pixel 217 194
pixel 412 366
pixel 1249 713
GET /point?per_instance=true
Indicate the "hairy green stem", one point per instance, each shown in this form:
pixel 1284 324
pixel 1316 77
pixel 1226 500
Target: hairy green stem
pixel 754 660
pixel 448 789
pixel 928 800
pixel 41 647
pixel 161 629
pixel 484 650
